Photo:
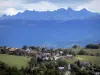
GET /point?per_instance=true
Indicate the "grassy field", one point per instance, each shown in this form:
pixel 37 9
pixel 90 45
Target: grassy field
pixel 90 51
pixel 93 59
pixel 11 60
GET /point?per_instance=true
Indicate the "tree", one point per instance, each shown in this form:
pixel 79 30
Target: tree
pixel 51 51
pixel 39 60
pixel 43 50
pixel 62 62
pixel 92 46
pixel 97 54
pixel 32 47
pixel 84 72
pixel 25 47
pixel 42 65
pixel 65 51
pixel 52 72
pixel 4 51
pixel 32 62
pixel 74 68
pixel 74 46
pixel 7 70
pixel 82 52
pixel 78 63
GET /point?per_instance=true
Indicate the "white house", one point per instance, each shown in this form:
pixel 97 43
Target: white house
pixel 61 68
pixel 56 57
pixel 69 56
pixel 28 50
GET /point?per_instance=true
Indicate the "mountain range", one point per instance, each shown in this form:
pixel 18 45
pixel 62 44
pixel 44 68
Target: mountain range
pixel 60 14
pixel 59 28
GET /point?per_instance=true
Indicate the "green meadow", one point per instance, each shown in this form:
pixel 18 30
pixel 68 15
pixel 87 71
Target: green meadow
pixel 85 58
pixel 12 60
pixel 90 51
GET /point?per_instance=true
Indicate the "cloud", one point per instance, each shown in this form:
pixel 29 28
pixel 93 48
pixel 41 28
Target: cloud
pixel 92 5
pixel 11 11
pixel 54 1
pixel 9 7
pixel 41 6
pixel 12 7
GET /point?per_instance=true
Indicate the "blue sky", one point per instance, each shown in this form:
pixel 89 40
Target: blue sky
pixel 12 7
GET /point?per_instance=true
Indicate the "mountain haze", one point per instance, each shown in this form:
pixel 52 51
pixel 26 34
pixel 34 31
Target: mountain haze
pixel 59 28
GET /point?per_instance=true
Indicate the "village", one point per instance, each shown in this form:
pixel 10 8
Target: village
pixel 59 58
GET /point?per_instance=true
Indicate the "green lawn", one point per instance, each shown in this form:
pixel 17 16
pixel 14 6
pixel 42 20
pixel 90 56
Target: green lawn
pixel 90 51
pixel 76 50
pixel 11 60
pixel 93 59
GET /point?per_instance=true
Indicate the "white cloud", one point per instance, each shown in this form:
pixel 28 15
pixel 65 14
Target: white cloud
pixel 11 11
pixel 91 5
pixel 41 6
pixel 9 4
pixel 9 7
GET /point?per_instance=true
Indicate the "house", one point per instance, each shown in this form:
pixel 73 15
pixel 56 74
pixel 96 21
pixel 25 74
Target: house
pixel 96 73
pixel 16 51
pixel 61 68
pixel 11 50
pixel 28 50
pixel 69 56
pixel 56 57
pixel 61 52
pixel 85 64
pixel 69 67
pixel 46 56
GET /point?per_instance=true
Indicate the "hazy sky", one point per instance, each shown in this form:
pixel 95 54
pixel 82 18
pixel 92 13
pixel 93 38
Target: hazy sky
pixel 12 7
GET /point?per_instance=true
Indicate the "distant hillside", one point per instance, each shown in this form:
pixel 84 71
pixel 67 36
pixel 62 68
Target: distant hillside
pixel 60 14
pixel 52 33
